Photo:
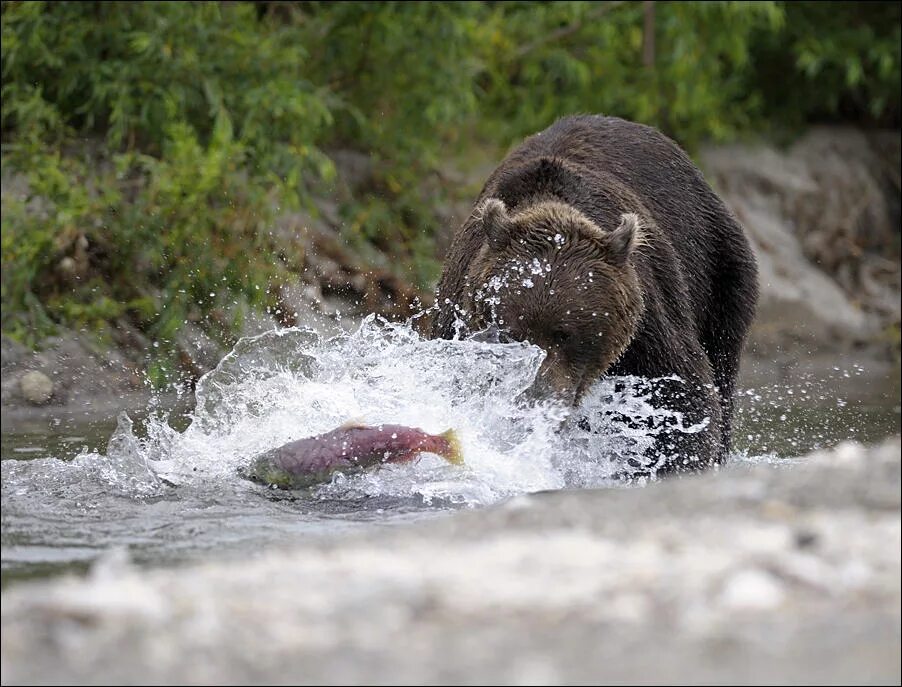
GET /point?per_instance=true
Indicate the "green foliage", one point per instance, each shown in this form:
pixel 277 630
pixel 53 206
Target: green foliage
pixel 550 59
pixel 402 71
pixel 833 61
pixel 159 140
pixel 162 236
pixel 129 71
pixel 175 202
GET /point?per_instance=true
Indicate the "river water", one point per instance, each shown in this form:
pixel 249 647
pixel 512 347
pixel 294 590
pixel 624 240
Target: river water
pixel 164 485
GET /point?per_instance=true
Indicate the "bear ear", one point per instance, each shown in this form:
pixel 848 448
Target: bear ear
pixel 496 223
pixel 620 243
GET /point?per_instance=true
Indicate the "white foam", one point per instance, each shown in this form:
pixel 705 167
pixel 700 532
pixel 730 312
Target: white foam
pixel 289 384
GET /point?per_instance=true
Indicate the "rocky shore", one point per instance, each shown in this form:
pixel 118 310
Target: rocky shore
pixel 757 573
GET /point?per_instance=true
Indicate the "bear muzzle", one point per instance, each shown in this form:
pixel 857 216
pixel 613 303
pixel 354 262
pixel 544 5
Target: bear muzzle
pixel 552 382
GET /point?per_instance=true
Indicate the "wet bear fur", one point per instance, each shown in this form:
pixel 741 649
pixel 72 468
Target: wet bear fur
pixel 600 241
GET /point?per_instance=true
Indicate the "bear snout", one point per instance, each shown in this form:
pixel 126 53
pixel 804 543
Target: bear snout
pixel 554 382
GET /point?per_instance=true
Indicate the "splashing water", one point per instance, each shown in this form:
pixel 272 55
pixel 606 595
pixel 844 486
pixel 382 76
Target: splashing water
pixel 289 384
pixel 171 495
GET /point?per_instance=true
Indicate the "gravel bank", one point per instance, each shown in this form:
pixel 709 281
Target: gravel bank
pixel 756 573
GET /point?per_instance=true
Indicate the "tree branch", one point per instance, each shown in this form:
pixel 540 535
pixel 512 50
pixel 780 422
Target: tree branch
pixel 565 31
pixel 648 35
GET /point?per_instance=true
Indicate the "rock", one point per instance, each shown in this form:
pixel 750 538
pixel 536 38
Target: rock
pixel 11 353
pixel 752 590
pixel 798 302
pixel 36 387
pixel 82 368
pixel 303 305
pixel 131 340
pixel 256 322
pixel 81 372
pixel 824 224
pixel 67 268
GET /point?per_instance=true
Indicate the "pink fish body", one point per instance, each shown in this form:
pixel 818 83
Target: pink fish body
pixel 348 448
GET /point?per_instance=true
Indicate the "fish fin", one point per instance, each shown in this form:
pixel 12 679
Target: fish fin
pixel 455 454
pixel 354 423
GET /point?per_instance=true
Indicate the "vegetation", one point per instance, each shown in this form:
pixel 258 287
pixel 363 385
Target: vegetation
pixel 156 142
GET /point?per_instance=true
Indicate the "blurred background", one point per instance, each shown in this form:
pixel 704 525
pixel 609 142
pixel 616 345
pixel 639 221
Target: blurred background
pixel 176 175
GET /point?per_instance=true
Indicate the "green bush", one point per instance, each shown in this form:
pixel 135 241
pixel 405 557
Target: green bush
pixel 556 58
pixel 202 117
pixel 833 61
pixel 158 141
pixel 129 71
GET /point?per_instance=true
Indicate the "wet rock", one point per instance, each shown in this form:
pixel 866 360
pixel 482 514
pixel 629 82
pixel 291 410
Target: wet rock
pixel 130 338
pixel 83 368
pixel 11 353
pixel 824 221
pixel 256 322
pixel 81 372
pixel 304 305
pixel 37 388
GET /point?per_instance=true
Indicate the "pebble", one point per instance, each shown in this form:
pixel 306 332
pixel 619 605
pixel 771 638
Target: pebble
pixel 37 388
pixel 752 590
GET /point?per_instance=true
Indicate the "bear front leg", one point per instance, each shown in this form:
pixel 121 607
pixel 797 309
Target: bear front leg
pixel 675 402
pixel 687 429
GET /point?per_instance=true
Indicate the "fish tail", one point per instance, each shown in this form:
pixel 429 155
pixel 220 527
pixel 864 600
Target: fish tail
pixel 454 454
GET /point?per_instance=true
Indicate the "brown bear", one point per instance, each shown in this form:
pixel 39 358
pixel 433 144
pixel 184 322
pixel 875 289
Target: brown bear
pixel 600 241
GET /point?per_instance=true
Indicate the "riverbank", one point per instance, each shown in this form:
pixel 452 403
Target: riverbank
pixel 756 573
pixel 822 216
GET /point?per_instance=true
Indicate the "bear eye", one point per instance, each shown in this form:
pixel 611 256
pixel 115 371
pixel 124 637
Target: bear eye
pixel 560 337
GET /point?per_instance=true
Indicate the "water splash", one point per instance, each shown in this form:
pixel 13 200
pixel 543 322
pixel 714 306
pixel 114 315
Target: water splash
pixel 173 495
pixel 289 384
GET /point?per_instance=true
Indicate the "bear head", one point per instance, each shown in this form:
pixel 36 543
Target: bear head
pixel 549 275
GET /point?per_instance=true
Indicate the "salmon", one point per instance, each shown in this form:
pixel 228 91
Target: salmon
pixel 349 448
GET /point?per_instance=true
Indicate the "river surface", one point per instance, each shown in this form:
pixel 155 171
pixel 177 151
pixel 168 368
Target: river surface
pixel 164 485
